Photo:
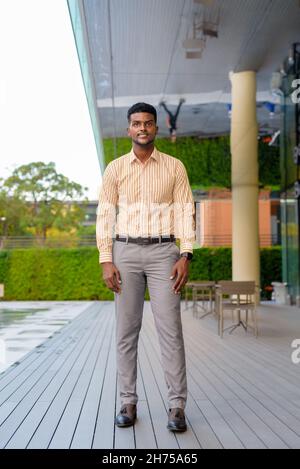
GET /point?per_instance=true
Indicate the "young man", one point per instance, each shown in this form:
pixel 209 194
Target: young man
pixel 151 193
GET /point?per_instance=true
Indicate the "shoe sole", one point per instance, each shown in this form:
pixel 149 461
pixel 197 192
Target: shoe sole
pixel 122 425
pixel 172 429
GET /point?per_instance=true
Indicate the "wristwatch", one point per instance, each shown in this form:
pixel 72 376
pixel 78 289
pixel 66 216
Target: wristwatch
pixel 188 255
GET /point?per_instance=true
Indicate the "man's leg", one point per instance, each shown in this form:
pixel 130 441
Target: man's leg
pixel 163 104
pixel 165 306
pixel 129 312
pixel 182 100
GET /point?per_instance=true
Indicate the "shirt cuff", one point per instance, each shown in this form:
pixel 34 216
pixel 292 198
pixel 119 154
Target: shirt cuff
pixel 105 257
pixel 186 246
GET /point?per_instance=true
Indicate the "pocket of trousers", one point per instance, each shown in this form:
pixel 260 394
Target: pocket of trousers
pixel 175 250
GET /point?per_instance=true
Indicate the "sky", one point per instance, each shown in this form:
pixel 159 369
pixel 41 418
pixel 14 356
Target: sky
pixel 43 110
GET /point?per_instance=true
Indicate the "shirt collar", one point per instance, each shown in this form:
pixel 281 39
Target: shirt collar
pixel 154 155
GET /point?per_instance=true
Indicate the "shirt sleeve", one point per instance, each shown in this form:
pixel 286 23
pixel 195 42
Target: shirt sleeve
pixel 184 210
pixel 106 214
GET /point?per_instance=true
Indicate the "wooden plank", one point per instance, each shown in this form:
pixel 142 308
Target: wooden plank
pixel 61 387
pixel 220 427
pixel 187 439
pixel 243 392
pixel 144 433
pixel 85 426
pixel 237 422
pixel 55 350
pixel 26 395
pixel 240 428
pixel 239 352
pixel 157 406
pixel 273 346
pixel 200 425
pixel 104 427
pixel 31 357
pixel 124 437
pixel 37 356
pixel 143 429
pixel 209 391
pixel 218 382
pixel 282 431
pixel 260 387
pixel 63 435
pixel 276 365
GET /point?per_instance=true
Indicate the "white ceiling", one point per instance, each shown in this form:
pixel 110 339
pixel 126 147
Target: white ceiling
pixel 137 55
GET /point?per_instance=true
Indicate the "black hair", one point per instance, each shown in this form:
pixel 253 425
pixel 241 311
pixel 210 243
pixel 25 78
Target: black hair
pixel 142 107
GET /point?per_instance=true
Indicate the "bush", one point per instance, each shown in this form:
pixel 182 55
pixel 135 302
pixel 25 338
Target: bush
pixel 75 274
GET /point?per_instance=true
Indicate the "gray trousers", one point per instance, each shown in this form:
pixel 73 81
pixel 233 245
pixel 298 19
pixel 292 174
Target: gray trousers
pixel 151 265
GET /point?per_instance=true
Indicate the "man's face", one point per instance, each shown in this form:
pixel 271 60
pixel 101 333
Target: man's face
pixel 142 128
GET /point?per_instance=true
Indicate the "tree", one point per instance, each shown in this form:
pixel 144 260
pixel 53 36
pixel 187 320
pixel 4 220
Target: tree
pixel 12 215
pixel 49 197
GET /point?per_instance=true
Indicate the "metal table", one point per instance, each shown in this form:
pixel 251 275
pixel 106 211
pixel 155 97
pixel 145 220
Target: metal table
pixel 201 291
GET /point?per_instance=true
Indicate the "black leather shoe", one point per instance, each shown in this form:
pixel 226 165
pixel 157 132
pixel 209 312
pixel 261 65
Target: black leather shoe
pixel 126 416
pixel 176 420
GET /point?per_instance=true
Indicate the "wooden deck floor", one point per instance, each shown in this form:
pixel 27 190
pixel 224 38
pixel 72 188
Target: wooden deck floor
pixel 243 392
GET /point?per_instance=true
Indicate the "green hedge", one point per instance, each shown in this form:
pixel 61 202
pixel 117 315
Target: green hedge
pixel 74 274
pixel 53 274
pixel 208 161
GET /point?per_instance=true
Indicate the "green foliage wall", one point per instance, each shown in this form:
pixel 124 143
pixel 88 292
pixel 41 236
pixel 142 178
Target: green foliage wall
pixel 208 161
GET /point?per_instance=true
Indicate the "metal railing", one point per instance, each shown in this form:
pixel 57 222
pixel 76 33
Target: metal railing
pixel 226 240
pixel 21 242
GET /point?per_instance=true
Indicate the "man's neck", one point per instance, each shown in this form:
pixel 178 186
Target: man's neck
pixel 143 153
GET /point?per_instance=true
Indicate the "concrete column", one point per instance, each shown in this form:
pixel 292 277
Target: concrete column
pixel 244 151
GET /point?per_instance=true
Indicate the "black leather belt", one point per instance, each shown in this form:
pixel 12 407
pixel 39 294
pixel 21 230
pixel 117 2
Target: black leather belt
pixel 149 240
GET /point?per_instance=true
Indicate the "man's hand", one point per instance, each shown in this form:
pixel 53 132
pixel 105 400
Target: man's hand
pixel 181 270
pixel 111 276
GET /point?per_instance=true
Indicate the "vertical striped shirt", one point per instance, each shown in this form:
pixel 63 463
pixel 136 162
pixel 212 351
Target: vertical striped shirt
pixel 145 199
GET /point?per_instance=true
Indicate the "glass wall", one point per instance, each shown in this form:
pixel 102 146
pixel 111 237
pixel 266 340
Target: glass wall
pixel 290 177
pixel 76 12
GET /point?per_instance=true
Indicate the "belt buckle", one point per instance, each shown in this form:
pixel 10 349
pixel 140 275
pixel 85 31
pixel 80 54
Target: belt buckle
pixel 139 240
pixel 142 241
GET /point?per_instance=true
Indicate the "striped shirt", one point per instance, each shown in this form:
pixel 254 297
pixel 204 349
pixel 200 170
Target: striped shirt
pixel 145 199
